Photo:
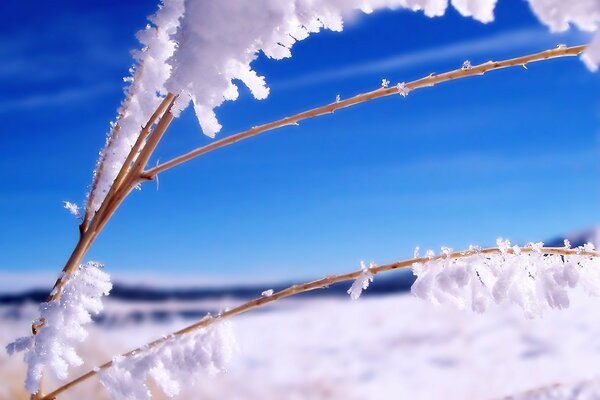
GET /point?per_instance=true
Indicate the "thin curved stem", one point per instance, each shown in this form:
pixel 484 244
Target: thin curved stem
pixel 303 288
pixel 430 80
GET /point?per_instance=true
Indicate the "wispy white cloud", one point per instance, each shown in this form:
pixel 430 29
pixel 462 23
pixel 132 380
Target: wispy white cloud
pixel 66 96
pixel 17 282
pixel 512 40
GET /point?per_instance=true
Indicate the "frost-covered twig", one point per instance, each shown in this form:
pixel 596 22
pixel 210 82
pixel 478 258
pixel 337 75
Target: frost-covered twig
pixel 172 364
pixel 64 325
pixel 125 181
pixel 584 255
pixel 427 81
pixel 533 280
pixel 142 98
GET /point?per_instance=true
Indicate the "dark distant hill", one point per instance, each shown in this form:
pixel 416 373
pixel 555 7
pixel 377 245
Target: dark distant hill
pixel 399 281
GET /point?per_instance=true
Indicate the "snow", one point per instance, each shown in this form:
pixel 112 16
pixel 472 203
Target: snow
pixel 381 347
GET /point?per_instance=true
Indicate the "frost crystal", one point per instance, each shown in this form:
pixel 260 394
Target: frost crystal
pixel 142 97
pixel 467 65
pixel 385 83
pixel 338 98
pixel 362 282
pixel 73 209
pixel 402 89
pixel 64 320
pixel 585 14
pixel 530 279
pixel 267 293
pixel 172 364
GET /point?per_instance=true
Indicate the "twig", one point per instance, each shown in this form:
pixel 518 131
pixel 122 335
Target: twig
pixel 427 81
pixel 124 182
pixel 306 287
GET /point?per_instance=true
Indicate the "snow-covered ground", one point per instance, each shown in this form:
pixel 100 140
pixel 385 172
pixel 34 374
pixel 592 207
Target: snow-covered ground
pixel 380 347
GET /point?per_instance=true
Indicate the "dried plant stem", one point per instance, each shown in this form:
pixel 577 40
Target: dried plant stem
pixel 126 180
pixel 303 288
pixel 430 80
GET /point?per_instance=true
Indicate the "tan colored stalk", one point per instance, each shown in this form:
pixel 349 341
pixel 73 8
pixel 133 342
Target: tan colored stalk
pixel 303 288
pixel 430 80
pixel 125 181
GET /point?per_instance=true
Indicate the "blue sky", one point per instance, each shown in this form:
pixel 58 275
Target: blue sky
pixel 512 154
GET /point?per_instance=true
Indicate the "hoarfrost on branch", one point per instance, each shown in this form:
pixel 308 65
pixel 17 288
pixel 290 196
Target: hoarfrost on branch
pixel 532 280
pixel 64 320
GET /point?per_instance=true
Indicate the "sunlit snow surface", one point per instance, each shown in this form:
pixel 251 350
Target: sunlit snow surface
pixel 392 347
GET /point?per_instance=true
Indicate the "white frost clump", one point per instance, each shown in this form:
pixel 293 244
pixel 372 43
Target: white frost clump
pixel 64 320
pixel 72 208
pixel 171 364
pixel 530 279
pixel 267 293
pixel 482 10
pixel 585 14
pixel 142 97
pixel 402 89
pixel 218 40
pixel 362 282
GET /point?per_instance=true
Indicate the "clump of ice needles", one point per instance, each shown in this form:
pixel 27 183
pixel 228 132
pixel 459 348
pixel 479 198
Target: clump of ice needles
pixel 63 320
pixel 528 277
pixel 171 364
pixel 362 282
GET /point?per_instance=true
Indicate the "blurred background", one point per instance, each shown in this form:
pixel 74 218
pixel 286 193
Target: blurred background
pixel 511 154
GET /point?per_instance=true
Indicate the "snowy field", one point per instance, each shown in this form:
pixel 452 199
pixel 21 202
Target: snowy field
pixel 380 347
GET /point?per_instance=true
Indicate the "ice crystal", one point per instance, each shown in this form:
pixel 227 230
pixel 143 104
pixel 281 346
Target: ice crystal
pixel 171 364
pixel 72 208
pixel 362 282
pixel 142 96
pixel 523 276
pixel 267 293
pixel 385 83
pixel 467 65
pixel 402 89
pixel 63 325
